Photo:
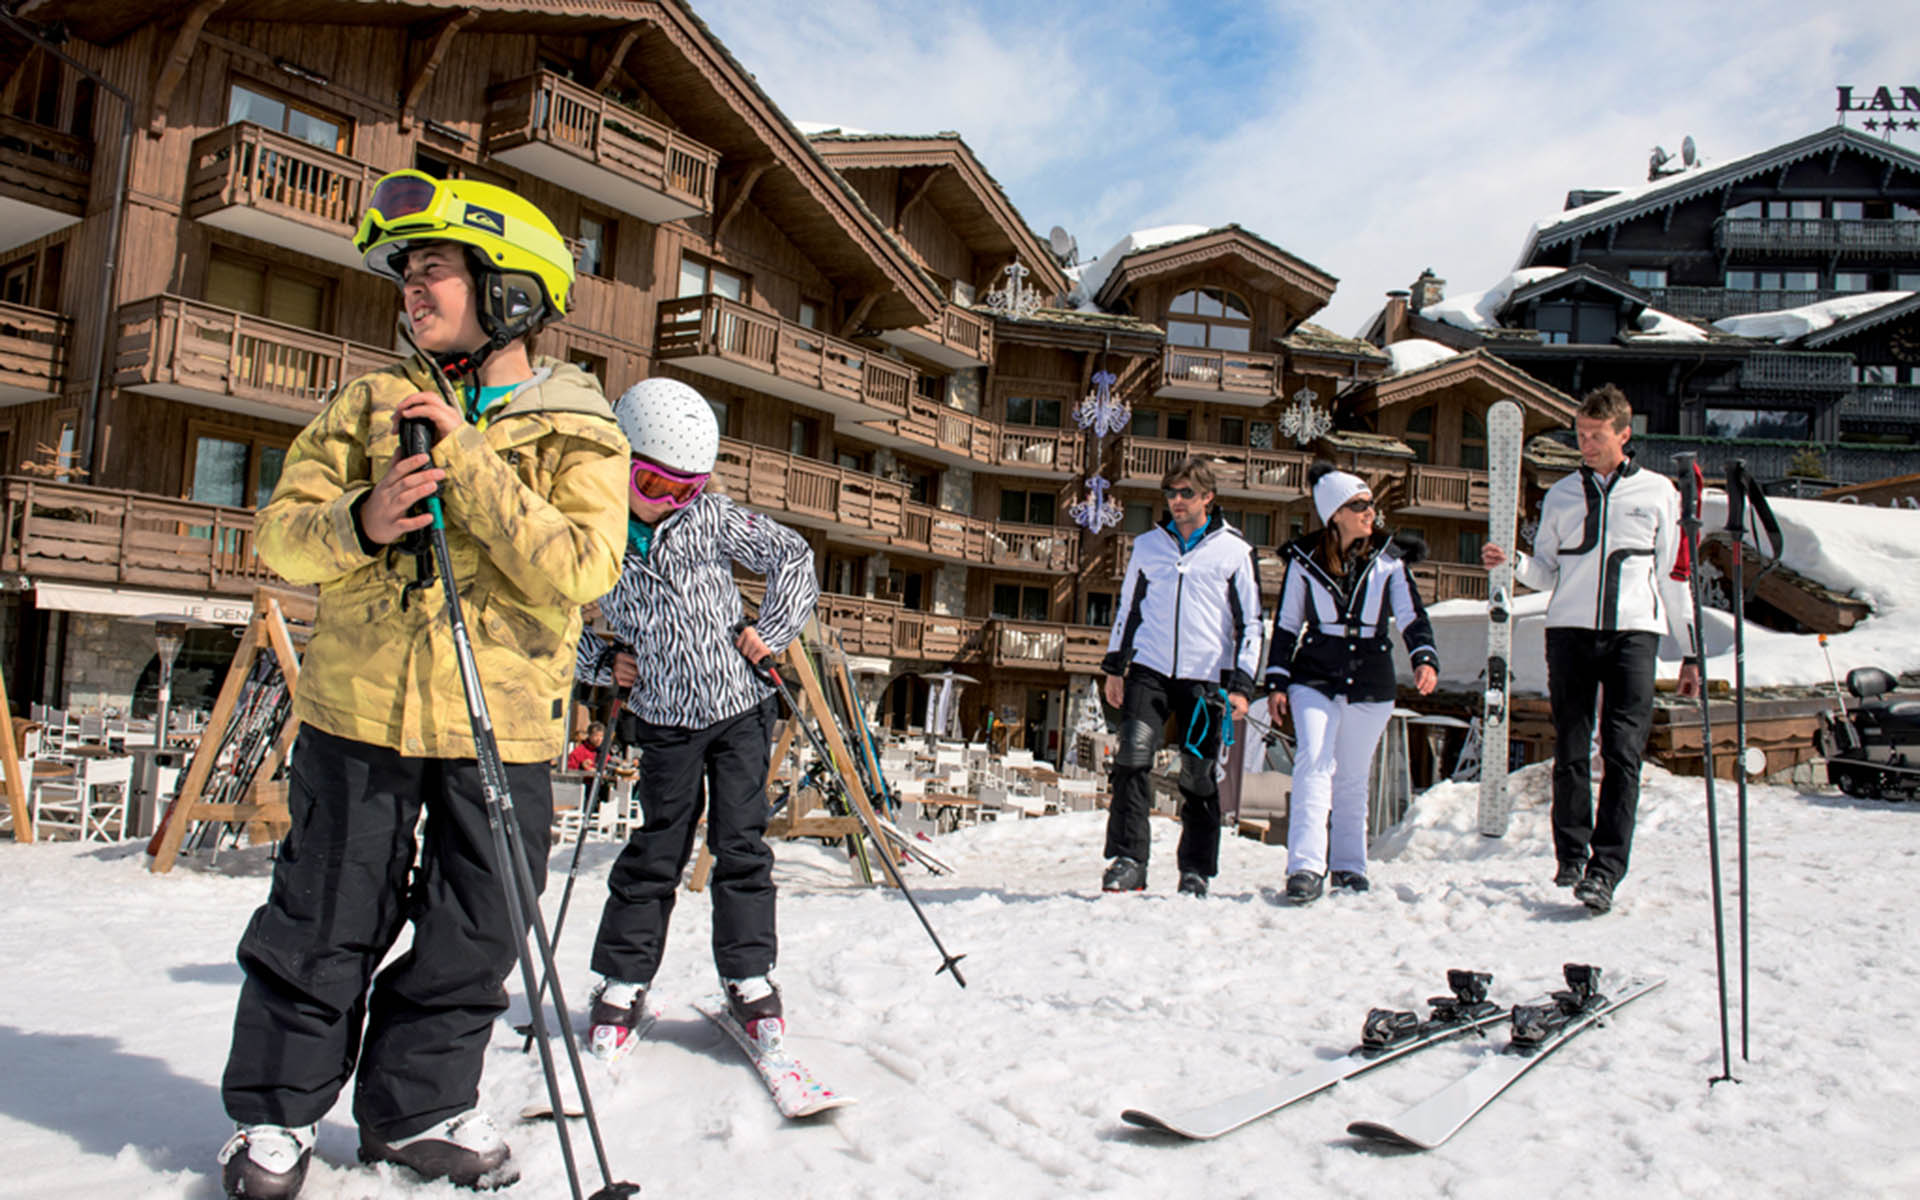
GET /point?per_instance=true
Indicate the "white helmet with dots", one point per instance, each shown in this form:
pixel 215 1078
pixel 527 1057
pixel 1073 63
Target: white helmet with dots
pixel 669 423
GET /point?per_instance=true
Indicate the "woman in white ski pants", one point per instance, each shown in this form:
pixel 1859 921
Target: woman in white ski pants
pixel 1334 740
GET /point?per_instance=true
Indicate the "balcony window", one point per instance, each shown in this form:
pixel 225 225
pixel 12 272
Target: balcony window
pixel 1773 281
pixel 1233 431
pixel 1875 373
pixel 593 364
pixel 1564 321
pixel 845 575
pixel 1209 318
pixel 1906 281
pixel 1752 210
pixel 1473 440
pixel 1012 602
pixel 1099 608
pixel 233 467
pixel 1030 508
pixel 929 386
pixel 314 126
pixel 1768 424
pixel 1793 210
pixel 803 436
pixel 698 277
pixel 853 460
pixel 809 315
pixel 17 280
pixel 1256 526
pixel 1849 210
pixel 1647 277
pixel 923 484
pixel 1138 519
pixel 722 415
pixel 1466 546
pixel 596 246
pixel 271 290
pixel 1419 434
pixel 1851 281
pixel 1179 426
pixel 1145 424
pixel 1041 412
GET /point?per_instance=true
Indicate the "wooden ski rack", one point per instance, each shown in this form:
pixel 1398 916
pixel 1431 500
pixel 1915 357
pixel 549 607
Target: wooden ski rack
pixel 277 614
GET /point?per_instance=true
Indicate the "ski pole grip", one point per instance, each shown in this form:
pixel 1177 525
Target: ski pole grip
pixel 762 669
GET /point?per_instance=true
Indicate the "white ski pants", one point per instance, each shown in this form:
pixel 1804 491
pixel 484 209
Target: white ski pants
pixel 1332 761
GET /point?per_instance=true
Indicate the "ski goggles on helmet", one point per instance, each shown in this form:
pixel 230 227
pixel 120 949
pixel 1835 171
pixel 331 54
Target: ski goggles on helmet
pixel 403 201
pixel 655 483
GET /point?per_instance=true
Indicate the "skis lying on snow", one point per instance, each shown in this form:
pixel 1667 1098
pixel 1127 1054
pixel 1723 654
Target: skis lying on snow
pixel 542 1108
pixel 1538 1030
pixel 795 1090
pixel 1386 1035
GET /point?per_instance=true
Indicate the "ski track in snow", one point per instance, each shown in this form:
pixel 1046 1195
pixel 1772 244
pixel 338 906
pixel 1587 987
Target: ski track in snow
pixel 120 987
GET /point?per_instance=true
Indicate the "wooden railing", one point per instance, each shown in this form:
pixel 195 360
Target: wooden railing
pixel 45 162
pixel 1281 473
pixel 1714 302
pixel 1449 581
pixel 960 329
pixel 1034 547
pixel 1788 370
pixel 188 344
pixel 782 482
pixel 1457 489
pixel 33 348
pixel 723 328
pixel 1039 449
pixel 545 107
pixel 1230 372
pixel 69 531
pixel 1044 645
pixel 1883 402
pixel 267 170
pixel 1820 235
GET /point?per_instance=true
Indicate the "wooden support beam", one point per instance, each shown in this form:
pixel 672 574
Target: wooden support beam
pixel 738 200
pixel 17 783
pixel 617 57
pixel 913 189
pixel 859 314
pixel 439 39
pixel 173 67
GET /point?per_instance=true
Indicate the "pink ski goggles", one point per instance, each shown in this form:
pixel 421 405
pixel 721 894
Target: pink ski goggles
pixel 654 483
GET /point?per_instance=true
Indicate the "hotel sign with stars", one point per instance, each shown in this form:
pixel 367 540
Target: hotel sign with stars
pixel 1892 109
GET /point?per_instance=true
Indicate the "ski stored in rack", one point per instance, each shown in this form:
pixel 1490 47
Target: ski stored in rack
pixel 1386 1035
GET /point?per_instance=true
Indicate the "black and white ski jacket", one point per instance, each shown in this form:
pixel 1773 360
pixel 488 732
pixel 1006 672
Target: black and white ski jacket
pixel 1607 554
pixel 1192 614
pixel 677 608
pixel 1331 634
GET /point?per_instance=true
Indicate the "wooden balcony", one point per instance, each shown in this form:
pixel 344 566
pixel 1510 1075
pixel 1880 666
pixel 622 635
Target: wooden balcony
pixel 199 354
pixel 809 492
pixel 727 340
pixel 1712 303
pixel 961 338
pixel 935 637
pixel 44 180
pixel 73 532
pixel 1891 404
pixel 1449 581
pixel 937 430
pixel 1818 237
pixel 1445 492
pixel 33 353
pixel 1238 470
pixel 279 189
pixel 1028 451
pixel 1043 646
pixel 1218 376
pixel 1796 371
pixel 559 131
pixel 1054 548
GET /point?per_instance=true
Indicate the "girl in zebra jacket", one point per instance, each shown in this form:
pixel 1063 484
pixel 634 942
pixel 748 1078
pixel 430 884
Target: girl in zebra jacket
pixel 702 717
pixel 1331 662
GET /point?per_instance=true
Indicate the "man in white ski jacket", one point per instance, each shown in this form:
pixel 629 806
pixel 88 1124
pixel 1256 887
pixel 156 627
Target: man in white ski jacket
pixel 1608 538
pixel 1185 641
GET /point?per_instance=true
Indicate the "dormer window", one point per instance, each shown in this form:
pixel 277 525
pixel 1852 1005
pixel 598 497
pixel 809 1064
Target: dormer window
pixel 1210 318
pixel 1564 321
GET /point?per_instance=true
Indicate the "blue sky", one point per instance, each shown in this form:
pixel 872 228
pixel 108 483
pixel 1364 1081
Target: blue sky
pixel 1371 140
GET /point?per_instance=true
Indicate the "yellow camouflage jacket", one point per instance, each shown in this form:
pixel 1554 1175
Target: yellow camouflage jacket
pixel 536 526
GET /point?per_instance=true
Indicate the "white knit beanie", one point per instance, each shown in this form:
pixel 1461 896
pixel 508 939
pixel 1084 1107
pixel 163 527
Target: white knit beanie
pixel 1334 489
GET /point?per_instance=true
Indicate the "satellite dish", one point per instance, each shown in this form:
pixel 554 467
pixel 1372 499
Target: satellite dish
pixel 1064 247
pixel 1688 154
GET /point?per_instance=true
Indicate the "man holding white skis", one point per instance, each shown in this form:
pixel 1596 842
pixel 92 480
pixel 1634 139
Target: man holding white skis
pixel 1609 534
pixel 1185 642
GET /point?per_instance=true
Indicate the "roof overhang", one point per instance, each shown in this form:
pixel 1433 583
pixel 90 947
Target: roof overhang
pixel 106 21
pixel 1476 376
pixel 967 197
pixel 1069 329
pixel 1305 288
pixel 1840 331
pixel 1583 277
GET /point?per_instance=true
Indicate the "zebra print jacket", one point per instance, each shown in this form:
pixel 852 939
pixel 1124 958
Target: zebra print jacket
pixel 677 607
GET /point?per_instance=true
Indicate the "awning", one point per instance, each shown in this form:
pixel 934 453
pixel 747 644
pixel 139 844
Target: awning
pixel 131 602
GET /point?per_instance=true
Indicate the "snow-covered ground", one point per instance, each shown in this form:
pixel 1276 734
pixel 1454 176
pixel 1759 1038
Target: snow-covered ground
pixel 120 986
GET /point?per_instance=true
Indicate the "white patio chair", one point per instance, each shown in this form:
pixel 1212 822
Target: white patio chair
pixel 92 802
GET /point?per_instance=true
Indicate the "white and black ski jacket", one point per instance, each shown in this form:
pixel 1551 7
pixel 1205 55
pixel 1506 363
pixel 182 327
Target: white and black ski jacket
pixel 1330 634
pixel 1607 554
pixel 677 608
pixel 1192 614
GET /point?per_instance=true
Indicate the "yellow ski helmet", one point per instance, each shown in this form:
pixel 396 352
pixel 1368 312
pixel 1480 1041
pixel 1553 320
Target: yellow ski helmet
pixel 520 264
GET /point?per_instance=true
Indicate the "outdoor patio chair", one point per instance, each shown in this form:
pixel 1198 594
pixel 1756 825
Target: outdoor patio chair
pixel 92 802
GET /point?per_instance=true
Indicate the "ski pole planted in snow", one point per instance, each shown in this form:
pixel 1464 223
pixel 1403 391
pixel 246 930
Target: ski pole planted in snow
pixel 767 673
pixel 510 854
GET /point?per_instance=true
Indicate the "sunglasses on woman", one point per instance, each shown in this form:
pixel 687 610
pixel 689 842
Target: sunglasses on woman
pixel 1359 505
pixel 654 482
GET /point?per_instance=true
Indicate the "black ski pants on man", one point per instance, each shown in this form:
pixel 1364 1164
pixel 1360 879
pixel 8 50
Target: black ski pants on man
pixel 344 886
pixel 1197 717
pixel 731 756
pixel 1619 665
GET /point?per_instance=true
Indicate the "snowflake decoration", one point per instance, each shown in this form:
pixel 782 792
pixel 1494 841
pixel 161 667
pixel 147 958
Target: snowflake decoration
pixel 1097 511
pixel 1305 421
pixel 1100 412
pixel 1014 298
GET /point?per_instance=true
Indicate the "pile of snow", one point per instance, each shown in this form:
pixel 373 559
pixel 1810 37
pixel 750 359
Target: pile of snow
pixel 816 128
pixel 1867 552
pixel 1412 354
pixel 1656 326
pixel 1479 311
pixel 1790 323
pixel 1090 277
pixel 120 987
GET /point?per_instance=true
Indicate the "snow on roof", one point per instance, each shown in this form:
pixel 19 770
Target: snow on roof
pixel 815 128
pixel 1788 323
pixel 1091 277
pixel 1411 354
pixel 1476 310
pixel 1656 326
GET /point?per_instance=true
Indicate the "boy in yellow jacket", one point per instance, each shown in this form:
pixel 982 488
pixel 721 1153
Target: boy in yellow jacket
pixel 532 478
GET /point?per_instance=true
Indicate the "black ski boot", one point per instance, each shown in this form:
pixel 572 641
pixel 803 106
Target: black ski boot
pixel 1349 881
pixel 1124 875
pixel 1193 883
pixel 466 1150
pixel 266 1162
pixel 1596 892
pixel 1569 874
pixel 1304 887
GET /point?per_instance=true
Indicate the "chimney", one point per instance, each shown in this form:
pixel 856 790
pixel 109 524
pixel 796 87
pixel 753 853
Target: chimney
pixel 1393 323
pixel 1428 290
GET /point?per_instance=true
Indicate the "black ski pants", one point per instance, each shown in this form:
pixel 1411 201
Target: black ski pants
pixel 731 757
pixel 1620 666
pixel 345 884
pixel 1149 699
